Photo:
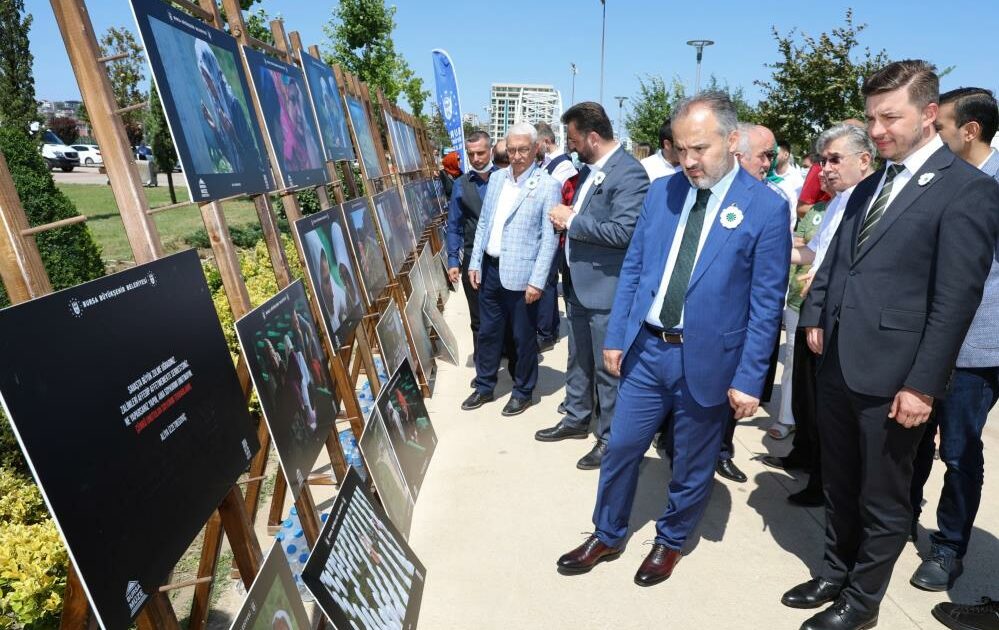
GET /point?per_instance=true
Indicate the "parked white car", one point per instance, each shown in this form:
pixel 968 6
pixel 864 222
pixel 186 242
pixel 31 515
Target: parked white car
pixel 90 154
pixel 58 155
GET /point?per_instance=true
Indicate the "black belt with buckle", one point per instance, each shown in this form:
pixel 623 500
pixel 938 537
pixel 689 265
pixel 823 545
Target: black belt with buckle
pixel 669 336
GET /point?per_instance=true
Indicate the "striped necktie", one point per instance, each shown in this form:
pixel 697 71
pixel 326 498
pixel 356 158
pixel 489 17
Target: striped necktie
pixel 880 205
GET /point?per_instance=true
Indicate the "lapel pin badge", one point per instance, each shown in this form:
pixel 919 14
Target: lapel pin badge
pixel 925 178
pixel 731 217
pixel 599 178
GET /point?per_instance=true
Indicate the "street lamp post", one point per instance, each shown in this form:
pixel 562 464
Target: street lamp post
pixel 572 92
pixel 620 120
pixel 603 36
pixel 699 44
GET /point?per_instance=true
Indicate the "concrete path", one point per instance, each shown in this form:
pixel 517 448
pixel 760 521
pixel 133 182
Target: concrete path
pixel 498 508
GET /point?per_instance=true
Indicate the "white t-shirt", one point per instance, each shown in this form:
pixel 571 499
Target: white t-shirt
pixel 657 166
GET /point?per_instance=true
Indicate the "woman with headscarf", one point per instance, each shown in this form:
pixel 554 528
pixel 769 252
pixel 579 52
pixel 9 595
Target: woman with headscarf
pixel 450 172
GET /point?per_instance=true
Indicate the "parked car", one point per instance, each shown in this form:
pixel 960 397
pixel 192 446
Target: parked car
pixel 90 154
pixel 57 154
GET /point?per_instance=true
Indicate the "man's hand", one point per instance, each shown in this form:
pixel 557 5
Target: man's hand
pixel 454 274
pixel 806 282
pixel 814 336
pixel 533 294
pixel 743 405
pixel 911 408
pixel 473 277
pixel 612 361
pixel 559 216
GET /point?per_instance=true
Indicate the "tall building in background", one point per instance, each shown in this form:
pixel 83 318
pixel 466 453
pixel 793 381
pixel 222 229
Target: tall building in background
pixel 512 103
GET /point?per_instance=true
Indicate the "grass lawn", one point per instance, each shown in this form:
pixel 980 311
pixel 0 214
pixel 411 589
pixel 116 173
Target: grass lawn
pixel 97 203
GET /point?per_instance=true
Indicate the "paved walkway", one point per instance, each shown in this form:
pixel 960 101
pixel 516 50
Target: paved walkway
pixel 498 508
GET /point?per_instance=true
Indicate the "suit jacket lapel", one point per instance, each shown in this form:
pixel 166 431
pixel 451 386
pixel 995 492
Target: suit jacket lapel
pixel 738 195
pixel 669 219
pixel 941 159
pixel 611 163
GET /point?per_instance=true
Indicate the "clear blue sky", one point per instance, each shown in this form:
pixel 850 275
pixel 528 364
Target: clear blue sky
pixel 533 41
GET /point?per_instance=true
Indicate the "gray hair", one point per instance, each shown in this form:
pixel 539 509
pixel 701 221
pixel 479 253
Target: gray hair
pixel 718 102
pixel 858 140
pixel 745 131
pixel 523 129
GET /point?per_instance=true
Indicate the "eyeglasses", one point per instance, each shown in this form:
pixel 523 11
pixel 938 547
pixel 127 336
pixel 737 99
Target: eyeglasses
pixel 835 159
pixel 518 150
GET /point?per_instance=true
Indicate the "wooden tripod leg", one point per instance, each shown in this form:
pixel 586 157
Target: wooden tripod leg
pixel 246 552
pixel 211 546
pixel 158 614
pixel 75 608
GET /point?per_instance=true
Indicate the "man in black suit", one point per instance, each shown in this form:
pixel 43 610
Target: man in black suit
pixel 888 311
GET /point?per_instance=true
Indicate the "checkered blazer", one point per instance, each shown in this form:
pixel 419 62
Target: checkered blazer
pixel 981 345
pixel 529 240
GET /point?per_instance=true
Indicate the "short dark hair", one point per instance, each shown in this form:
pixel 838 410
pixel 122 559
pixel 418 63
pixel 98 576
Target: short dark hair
pixel 973 104
pixel 545 131
pixel 783 144
pixel 920 77
pixel 589 116
pixel 478 135
pixel 666 132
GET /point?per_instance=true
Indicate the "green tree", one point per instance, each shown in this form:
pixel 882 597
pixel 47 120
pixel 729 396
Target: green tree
pixel 160 141
pixel 651 107
pixel 816 82
pixel 70 254
pixel 360 41
pixel 746 111
pixel 127 76
pixel 17 85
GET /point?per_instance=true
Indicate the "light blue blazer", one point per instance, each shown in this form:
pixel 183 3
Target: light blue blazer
pixel 529 240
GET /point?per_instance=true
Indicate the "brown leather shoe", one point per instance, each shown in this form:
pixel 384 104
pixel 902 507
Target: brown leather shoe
pixel 657 566
pixel 586 556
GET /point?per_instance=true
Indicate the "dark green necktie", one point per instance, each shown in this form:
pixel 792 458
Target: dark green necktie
pixel 676 290
pixel 880 204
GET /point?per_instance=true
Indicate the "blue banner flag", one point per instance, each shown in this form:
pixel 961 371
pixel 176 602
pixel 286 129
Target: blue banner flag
pixel 447 101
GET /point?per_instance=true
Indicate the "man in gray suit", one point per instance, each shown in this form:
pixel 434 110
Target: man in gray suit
pixel 598 226
pixel 967 123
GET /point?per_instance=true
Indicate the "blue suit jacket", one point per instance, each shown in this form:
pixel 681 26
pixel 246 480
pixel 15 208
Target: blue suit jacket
pixel 735 298
pixel 529 240
pixel 981 345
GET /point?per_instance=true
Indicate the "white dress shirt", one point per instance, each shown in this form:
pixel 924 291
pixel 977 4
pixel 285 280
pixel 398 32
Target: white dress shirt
pixel 657 166
pixel 504 208
pixel 827 229
pixel 718 192
pixel 563 171
pixel 791 185
pixel 912 165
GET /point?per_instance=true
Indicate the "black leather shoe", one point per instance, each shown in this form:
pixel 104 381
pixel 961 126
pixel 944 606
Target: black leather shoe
pixel 938 572
pixel 586 556
pixel 545 345
pixel 591 461
pixel 727 469
pixel 516 406
pixel 984 616
pixel 472 383
pixel 657 566
pixel 561 431
pixel 782 463
pixel 841 616
pixel 809 497
pixel 812 594
pixel 476 400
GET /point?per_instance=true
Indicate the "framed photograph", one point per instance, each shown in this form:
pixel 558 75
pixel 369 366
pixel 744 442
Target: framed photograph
pixel 360 223
pixel 400 404
pixel 421 335
pixel 328 106
pixel 447 343
pixel 380 455
pixel 289 120
pixel 290 371
pixel 332 274
pixel 397 233
pixel 392 337
pixel 199 75
pixel 273 601
pixel 125 400
pixel 358 118
pixel 362 572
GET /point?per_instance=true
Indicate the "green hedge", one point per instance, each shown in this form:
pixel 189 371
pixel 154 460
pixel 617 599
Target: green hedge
pixel 70 254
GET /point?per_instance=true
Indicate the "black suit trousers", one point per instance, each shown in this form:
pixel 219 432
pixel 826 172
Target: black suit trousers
pixel 866 471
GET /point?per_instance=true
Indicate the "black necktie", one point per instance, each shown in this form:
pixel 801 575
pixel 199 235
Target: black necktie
pixel 880 204
pixel 583 174
pixel 676 290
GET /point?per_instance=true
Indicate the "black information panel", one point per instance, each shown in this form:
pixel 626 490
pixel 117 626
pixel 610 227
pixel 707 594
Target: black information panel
pixel 125 400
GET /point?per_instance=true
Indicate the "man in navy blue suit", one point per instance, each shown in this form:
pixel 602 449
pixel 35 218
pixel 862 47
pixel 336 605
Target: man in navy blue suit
pixel 691 330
